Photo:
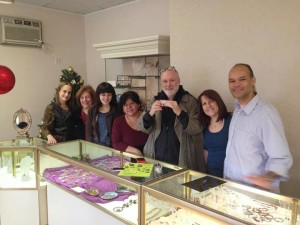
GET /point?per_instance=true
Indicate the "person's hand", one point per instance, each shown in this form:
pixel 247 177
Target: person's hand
pixel 134 151
pixel 156 106
pixel 261 181
pixel 51 140
pixel 172 104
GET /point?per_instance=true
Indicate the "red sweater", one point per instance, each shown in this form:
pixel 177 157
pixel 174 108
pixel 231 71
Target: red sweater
pixel 123 135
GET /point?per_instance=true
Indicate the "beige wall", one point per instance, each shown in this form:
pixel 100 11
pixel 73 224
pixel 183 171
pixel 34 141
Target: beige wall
pixel 209 37
pixel 35 70
pixel 139 19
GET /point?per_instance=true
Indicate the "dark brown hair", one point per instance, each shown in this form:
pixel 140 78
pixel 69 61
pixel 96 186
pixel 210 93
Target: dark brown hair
pixel 213 95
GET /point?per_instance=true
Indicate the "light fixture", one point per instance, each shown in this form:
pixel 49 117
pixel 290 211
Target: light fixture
pixel 6 1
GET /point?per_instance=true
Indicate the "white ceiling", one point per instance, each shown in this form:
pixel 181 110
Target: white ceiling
pixel 74 6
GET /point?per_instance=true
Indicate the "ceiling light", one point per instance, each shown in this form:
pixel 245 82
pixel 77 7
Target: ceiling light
pixel 6 1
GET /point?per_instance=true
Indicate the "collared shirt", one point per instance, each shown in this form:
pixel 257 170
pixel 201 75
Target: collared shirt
pixel 257 142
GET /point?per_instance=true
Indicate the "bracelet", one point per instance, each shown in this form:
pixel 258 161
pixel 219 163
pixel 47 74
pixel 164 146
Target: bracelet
pixel 125 205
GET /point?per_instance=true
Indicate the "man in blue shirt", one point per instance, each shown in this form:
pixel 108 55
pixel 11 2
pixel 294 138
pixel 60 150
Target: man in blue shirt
pixel 257 152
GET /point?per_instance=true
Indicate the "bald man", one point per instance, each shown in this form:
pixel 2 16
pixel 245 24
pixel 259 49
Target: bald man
pixel 257 150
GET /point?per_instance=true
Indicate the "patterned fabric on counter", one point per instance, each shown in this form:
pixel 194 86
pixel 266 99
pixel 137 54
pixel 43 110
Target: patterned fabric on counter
pixel 70 177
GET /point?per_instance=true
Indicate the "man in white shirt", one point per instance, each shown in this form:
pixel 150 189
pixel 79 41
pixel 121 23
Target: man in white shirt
pixel 257 151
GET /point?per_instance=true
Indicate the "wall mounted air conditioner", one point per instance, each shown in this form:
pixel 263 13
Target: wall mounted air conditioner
pixel 20 31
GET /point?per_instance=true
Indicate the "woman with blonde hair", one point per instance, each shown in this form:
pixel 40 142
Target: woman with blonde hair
pixel 57 114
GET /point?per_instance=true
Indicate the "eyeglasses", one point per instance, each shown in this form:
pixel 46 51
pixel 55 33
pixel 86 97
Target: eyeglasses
pixel 170 68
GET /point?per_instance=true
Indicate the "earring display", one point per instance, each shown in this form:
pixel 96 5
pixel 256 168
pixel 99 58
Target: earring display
pixel 137 169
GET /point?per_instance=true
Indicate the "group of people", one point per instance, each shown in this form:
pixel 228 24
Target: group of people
pixel 247 145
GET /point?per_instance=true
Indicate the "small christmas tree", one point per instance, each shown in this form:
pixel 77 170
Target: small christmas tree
pixel 70 76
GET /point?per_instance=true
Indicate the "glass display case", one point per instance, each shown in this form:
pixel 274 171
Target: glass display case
pixel 18 163
pixel 19 187
pixel 106 178
pixel 194 198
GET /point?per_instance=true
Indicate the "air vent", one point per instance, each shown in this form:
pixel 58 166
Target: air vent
pixel 20 31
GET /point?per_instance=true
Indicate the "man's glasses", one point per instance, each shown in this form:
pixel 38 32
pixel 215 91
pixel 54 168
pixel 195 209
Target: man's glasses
pixel 170 68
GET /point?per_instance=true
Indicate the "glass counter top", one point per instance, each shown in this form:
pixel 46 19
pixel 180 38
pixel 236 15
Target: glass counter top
pixel 113 161
pixel 230 199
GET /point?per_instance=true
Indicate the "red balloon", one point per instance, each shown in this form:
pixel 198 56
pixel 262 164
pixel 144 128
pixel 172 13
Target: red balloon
pixel 7 80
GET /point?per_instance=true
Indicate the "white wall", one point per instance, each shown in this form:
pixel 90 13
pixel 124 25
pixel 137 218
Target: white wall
pixel 35 70
pixel 133 20
pixel 209 37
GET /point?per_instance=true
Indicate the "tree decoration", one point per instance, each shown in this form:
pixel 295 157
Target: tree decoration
pixel 70 76
pixel 7 80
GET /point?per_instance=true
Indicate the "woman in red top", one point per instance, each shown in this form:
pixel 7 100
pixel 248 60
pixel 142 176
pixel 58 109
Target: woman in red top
pixel 125 134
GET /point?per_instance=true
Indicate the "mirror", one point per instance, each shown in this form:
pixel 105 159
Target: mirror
pixel 22 123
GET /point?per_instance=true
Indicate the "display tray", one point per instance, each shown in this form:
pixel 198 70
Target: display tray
pixel 79 181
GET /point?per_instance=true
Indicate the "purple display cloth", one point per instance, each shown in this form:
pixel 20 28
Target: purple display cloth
pixel 70 177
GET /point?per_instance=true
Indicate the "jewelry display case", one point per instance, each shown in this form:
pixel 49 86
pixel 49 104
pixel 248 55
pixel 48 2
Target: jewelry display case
pixel 19 187
pixel 105 178
pixel 18 163
pixel 194 198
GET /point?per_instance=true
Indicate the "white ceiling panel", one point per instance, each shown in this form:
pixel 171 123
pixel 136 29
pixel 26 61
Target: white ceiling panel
pixel 74 6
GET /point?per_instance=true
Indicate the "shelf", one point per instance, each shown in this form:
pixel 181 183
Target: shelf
pixel 129 87
pixel 145 46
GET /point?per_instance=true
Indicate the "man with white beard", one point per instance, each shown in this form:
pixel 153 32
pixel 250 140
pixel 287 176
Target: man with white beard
pixel 175 134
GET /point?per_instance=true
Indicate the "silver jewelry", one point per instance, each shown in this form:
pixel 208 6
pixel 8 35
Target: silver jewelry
pixel 152 214
pixel 109 195
pixel 120 208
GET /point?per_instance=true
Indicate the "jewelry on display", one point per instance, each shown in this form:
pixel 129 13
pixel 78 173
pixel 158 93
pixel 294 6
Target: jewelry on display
pixel 158 168
pixel 122 189
pixel 109 195
pixel 126 205
pixel 152 214
pixel 92 192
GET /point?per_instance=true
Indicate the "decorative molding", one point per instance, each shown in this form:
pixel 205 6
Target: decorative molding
pixel 151 45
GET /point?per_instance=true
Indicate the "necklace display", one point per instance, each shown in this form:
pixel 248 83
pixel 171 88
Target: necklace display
pixel 241 206
pixel 125 205
pixel 152 214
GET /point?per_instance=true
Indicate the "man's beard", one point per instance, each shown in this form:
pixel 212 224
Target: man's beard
pixel 171 93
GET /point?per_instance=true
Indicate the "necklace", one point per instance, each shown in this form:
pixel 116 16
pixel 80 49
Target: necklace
pixel 132 123
pixel 216 126
pixel 125 205
pixel 152 214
